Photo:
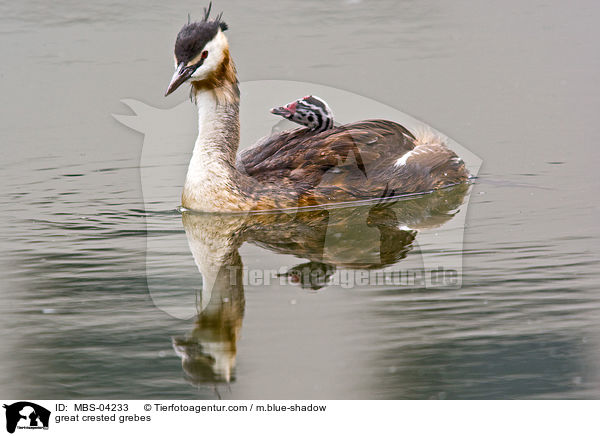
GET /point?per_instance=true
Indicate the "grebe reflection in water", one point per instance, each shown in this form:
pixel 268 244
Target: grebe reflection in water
pixel 368 237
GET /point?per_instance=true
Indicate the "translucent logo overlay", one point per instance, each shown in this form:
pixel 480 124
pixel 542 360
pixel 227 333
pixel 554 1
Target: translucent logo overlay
pixel 195 261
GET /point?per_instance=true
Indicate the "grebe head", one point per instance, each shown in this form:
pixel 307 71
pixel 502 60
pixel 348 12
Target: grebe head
pixel 201 49
pixel 310 111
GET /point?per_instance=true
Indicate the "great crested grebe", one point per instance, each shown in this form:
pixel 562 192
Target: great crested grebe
pixel 355 161
pixel 310 111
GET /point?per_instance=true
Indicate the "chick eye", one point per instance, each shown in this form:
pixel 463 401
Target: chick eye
pixel 204 54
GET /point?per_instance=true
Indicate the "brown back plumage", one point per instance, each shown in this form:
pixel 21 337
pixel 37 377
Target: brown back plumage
pixel 349 162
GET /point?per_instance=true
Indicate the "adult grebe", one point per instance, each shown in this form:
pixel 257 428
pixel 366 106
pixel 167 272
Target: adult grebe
pixel 294 168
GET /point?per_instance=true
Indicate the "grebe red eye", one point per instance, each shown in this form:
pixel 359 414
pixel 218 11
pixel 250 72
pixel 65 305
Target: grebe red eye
pixel 204 54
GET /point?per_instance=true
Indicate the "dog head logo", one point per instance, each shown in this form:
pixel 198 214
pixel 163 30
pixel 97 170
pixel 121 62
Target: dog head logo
pixel 26 415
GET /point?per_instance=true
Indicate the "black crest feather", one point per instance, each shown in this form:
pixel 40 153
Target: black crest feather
pixel 207 11
pixel 194 36
pixel 218 19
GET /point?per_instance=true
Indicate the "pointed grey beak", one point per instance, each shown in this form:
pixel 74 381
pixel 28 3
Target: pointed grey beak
pixel 282 110
pixel 181 75
pixel 286 111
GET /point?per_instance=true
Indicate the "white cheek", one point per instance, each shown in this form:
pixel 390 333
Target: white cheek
pixel 200 73
pixel 215 50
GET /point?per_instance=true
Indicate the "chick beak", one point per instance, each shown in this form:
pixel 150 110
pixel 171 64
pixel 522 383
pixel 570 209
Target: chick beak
pixel 181 75
pixel 280 111
pixel 285 111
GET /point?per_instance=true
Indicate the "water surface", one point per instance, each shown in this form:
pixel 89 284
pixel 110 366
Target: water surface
pixel 84 260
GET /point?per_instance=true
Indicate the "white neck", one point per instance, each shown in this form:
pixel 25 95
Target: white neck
pixel 212 176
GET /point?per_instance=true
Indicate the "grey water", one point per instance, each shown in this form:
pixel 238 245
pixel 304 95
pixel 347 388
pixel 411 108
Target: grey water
pixel 102 292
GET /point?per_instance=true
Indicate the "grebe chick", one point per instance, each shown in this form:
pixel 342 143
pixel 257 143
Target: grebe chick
pixel 310 111
pixel 355 161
